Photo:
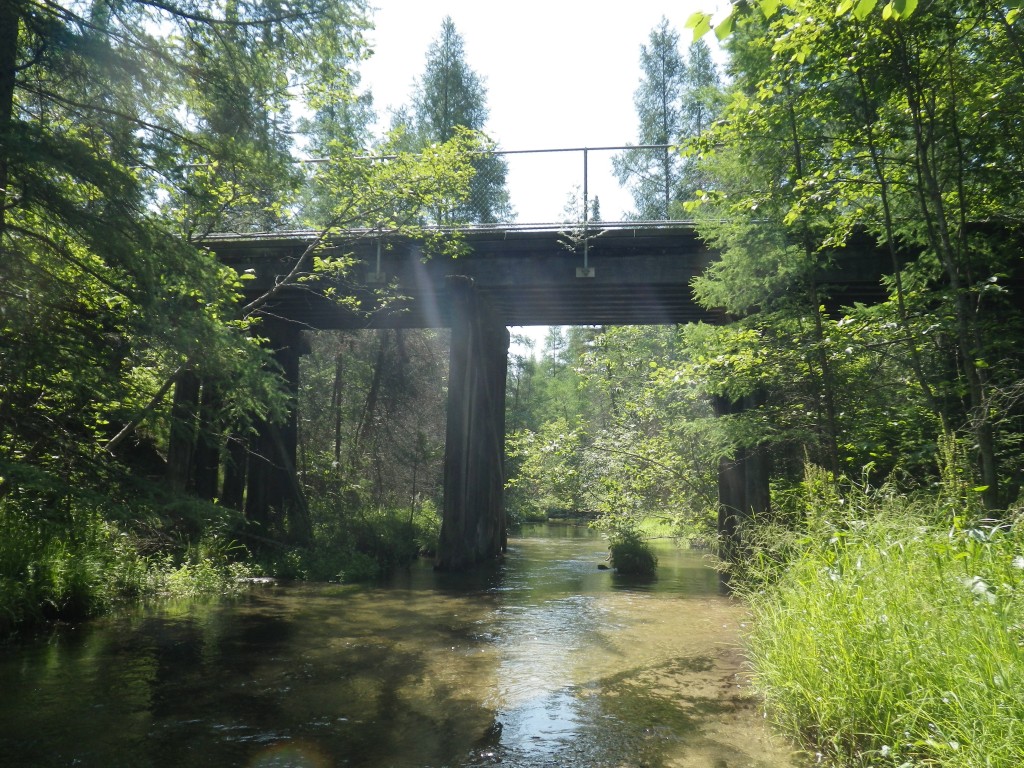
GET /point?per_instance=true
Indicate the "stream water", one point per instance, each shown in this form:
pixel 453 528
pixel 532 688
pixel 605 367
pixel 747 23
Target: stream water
pixel 544 660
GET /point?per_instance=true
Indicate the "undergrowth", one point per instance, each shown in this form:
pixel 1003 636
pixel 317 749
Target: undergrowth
pixel 361 545
pixel 80 564
pixel 889 631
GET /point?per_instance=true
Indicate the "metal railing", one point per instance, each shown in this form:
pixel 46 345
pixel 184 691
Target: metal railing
pixel 575 184
pixel 549 188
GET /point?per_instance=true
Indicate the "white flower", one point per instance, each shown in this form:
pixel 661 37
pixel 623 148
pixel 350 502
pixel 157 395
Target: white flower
pixel 1018 562
pixel 979 588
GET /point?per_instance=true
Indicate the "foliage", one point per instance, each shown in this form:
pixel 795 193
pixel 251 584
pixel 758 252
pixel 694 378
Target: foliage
pixel 448 98
pixel 363 545
pixel 888 633
pixel 740 11
pixel 76 562
pixel 611 429
pixel 630 553
pixel 373 409
pixel 129 132
pixel 851 129
pixel 676 101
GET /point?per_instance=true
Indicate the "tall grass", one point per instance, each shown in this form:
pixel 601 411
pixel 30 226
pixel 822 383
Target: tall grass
pixel 77 564
pixel 361 544
pixel 891 633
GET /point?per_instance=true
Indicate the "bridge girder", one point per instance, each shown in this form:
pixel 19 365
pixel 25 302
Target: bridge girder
pixel 623 274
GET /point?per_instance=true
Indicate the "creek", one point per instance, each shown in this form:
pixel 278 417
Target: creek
pixel 542 660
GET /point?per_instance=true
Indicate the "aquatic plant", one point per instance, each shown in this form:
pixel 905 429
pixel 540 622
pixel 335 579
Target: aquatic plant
pixel 631 554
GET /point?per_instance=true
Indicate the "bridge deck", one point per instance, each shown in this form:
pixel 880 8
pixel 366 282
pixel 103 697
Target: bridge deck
pixel 639 274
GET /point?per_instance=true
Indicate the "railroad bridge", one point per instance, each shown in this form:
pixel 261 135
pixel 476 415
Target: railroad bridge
pixel 631 273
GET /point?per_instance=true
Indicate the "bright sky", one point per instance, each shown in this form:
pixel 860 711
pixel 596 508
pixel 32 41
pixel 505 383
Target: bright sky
pixel 559 74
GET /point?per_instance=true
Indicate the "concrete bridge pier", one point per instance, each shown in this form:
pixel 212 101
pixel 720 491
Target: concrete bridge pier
pixel 473 527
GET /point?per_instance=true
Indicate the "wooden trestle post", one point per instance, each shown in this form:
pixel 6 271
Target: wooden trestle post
pixel 743 489
pixel 473 527
pixel 274 496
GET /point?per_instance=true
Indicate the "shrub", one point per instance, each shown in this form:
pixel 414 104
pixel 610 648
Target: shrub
pixel 426 523
pixel 361 546
pixel 67 562
pixel 631 554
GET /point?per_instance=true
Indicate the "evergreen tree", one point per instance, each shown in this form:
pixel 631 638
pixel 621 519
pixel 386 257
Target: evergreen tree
pixel 127 132
pixel 701 107
pixel 655 174
pixel 675 102
pixel 451 96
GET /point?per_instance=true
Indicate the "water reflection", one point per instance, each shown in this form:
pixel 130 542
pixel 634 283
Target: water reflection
pixel 544 660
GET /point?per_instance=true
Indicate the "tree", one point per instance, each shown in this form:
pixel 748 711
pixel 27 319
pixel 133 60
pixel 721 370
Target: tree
pixel 676 100
pixel 608 431
pixel 118 155
pixel 378 440
pixel 656 173
pixel 903 130
pixel 450 96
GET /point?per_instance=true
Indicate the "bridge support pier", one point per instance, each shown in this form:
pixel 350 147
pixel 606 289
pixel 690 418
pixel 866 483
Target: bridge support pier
pixel 473 527
pixel 743 488
pixel 273 495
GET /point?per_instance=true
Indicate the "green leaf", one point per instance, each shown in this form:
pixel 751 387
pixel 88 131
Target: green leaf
pixel 724 29
pixel 700 23
pixel 1012 15
pixel 904 8
pixel 769 7
pixel 863 8
pixel 844 7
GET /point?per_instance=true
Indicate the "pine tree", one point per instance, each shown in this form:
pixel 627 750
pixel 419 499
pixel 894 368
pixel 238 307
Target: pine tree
pixel 675 101
pixel 451 96
pixel 654 174
pixel 702 102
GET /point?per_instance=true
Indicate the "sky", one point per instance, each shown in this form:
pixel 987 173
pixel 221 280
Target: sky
pixel 559 74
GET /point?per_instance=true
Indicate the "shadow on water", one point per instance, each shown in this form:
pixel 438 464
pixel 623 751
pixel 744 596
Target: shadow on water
pixel 542 660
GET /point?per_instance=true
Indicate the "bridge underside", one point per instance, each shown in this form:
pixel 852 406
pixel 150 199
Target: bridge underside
pixel 623 275
pixel 628 275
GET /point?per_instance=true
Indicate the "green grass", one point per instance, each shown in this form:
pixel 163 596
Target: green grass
pixel 365 544
pixel 77 564
pixel 890 635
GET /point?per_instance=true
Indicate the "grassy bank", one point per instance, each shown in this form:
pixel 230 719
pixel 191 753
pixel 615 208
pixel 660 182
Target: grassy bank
pixel 72 554
pixel 80 564
pixel 892 633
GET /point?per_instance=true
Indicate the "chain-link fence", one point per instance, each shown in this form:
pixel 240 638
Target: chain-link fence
pixel 556 186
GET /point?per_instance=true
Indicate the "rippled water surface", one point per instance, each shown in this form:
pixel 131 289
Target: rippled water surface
pixel 544 660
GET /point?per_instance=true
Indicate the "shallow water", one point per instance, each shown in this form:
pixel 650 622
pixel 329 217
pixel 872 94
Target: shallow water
pixel 544 660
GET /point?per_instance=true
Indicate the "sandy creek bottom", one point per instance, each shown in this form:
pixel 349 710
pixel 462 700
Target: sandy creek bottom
pixel 544 660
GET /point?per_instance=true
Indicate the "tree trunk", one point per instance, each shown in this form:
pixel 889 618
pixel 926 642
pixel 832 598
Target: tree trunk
pixel 10 24
pixel 950 252
pixel 370 407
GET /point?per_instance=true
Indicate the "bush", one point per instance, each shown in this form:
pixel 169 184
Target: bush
pixel 427 526
pixel 362 546
pixel 631 554
pixel 893 634
pixel 69 563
